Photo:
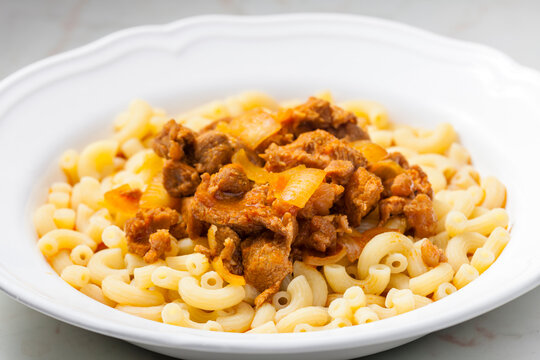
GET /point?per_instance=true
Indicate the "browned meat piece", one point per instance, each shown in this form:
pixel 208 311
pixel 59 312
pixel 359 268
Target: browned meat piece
pixel 431 255
pixel 266 263
pixel 321 201
pixel 320 114
pixel 180 179
pixel 314 149
pixel 339 171
pixel 213 149
pixel 174 141
pixel 391 206
pixel 399 159
pixel 420 180
pixel 231 255
pixel 420 216
pixel 145 223
pixel 402 185
pixel 247 215
pixel 317 233
pixel 230 182
pixel 350 132
pixel 408 184
pixel 160 242
pixel 341 223
pixel 188 226
pixel 362 193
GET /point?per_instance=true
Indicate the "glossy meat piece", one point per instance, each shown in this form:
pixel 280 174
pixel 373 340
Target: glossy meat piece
pixel 266 263
pixel 230 182
pixel 213 149
pixel 339 171
pixel 421 216
pixel 146 222
pixel 174 142
pixel 362 193
pixel 180 179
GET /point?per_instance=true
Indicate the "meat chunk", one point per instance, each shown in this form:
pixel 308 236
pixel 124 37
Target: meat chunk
pixel 174 142
pixel 317 233
pixel 349 132
pixel 321 201
pixel 420 180
pixel 228 247
pixel 409 183
pixel 213 149
pixel 339 171
pixel 180 179
pixel 431 255
pixel 362 193
pixel 266 263
pixel 391 206
pixel 249 214
pixel 146 222
pixel 421 216
pixel 160 242
pixel 320 114
pixel 402 185
pixel 315 149
pixel 230 182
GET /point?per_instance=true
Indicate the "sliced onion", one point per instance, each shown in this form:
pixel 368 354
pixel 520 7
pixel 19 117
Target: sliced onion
pixel 326 260
pixel 123 199
pixel 225 274
pixel 301 185
pixel 252 127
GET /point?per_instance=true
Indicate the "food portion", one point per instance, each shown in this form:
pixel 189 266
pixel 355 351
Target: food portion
pixel 248 215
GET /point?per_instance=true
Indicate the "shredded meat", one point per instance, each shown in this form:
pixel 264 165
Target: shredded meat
pixel 321 201
pixel 339 171
pixel 230 182
pixel 266 263
pixel 213 149
pixel 180 179
pixel 362 193
pixel 141 228
pixel 320 114
pixel 315 149
pixel 174 141
pixel 421 216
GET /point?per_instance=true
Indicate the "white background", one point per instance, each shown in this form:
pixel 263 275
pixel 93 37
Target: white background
pixel 31 30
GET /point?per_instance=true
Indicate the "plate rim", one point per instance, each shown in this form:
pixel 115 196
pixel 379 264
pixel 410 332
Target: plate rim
pixel 231 343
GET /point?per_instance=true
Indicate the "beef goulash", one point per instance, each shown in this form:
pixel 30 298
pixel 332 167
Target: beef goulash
pixel 247 215
pixel 276 187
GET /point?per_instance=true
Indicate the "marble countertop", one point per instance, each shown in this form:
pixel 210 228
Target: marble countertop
pixel 32 30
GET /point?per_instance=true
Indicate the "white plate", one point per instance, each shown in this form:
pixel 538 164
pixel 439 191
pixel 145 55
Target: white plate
pixel 423 79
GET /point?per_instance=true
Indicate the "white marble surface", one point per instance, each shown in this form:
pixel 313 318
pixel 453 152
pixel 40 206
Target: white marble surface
pixel 31 30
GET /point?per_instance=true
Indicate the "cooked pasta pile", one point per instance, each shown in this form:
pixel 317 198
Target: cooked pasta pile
pixel 86 229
